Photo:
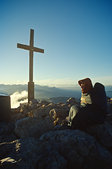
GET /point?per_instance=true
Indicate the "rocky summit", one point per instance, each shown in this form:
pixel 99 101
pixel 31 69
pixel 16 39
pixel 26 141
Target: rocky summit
pixel 33 139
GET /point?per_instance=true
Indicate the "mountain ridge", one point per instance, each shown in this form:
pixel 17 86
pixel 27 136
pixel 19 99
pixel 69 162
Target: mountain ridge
pixel 48 92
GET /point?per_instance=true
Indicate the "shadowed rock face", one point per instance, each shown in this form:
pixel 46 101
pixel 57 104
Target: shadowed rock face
pixel 31 141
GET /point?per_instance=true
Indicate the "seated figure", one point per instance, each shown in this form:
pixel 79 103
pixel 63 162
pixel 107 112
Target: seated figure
pixel 93 106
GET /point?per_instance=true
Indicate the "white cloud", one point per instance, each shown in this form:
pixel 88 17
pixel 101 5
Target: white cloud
pixel 17 98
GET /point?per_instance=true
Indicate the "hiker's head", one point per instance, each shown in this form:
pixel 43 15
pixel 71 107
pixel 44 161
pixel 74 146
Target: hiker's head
pixel 86 85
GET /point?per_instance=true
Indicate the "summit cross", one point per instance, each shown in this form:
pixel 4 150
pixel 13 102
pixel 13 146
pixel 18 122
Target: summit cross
pixel 31 49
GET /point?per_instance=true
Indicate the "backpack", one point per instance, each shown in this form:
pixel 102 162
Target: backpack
pixel 99 96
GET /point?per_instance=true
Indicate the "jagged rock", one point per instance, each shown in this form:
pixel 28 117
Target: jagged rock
pixel 79 149
pixel 59 99
pixel 52 105
pixel 32 104
pixel 61 111
pixel 59 114
pixel 19 154
pixel 71 101
pixel 34 101
pixel 8 163
pixel 28 127
pixel 23 107
pixel 41 113
pixel 44 102
pixel 103 134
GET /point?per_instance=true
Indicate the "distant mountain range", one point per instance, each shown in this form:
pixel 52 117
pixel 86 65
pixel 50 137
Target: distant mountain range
pixel 41 92
pixel 45 92
pixel 108 91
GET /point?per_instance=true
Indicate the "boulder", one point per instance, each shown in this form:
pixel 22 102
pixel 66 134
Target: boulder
pixel 80 150
pixel 32 127
pixel 103 134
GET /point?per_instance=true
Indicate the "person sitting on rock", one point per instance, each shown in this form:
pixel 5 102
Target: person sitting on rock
pixel 93 106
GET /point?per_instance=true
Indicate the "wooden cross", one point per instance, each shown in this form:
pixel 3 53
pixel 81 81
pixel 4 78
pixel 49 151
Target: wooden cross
pixel 31 49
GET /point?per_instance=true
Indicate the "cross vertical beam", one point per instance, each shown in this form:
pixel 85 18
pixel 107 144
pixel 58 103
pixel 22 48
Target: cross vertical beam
pixel 31 83
pixel 31 56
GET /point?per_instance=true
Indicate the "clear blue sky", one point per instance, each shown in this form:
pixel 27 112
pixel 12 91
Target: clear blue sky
pixel 75 34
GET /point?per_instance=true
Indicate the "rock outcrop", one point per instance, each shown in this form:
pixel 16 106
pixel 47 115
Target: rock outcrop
pixel 32 140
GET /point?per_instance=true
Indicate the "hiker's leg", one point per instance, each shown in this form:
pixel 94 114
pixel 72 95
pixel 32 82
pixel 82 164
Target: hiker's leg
pixel 80 121
pixel 72 113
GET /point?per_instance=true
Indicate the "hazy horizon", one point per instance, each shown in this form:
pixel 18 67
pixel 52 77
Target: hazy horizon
pixel 19 92
pixel 63 83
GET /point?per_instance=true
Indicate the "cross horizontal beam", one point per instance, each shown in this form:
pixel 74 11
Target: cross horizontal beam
pixel 26 47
